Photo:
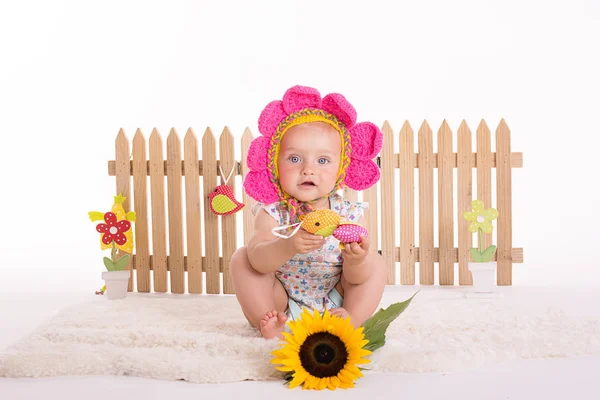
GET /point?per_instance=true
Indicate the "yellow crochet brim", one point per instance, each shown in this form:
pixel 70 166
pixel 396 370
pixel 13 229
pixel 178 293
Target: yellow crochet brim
pixel 303 119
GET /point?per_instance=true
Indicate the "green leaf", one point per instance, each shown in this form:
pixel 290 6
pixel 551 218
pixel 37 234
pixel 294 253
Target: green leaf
pixel 288 376
pixel 475 255
pixel 488 254
pixel 376 326
pixel 122 263
pixel 108 264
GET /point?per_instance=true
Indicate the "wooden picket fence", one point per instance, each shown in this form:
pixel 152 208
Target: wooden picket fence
pixel 210 240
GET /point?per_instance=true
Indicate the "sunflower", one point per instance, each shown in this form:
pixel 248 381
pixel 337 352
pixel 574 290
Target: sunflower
pixel 322 352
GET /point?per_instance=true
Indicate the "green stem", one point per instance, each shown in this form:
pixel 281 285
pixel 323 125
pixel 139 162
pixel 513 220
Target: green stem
pixel 480 239
pixel 113 253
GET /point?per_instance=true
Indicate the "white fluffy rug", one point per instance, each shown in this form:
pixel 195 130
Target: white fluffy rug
pixel 203 339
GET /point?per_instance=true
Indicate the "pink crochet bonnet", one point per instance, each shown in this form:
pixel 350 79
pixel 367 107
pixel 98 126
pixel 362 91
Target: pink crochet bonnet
pixel 361 142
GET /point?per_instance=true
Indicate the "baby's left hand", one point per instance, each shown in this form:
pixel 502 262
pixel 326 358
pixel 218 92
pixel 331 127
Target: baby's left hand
pixel 355 253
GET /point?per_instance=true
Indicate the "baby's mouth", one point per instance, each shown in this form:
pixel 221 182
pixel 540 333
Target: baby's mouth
pixel 307 184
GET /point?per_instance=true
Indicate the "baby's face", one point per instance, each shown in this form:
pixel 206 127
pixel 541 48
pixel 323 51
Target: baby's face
pixel 309 160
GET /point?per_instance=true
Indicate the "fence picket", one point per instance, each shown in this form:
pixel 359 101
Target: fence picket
pixel 228 222
pixel 504 195
pixel 388 203
pixel 425 163
pixel 211 222
pixel 140 205
pixel 370 196
pixel 123 178
pixel 248 218
pixel 464 198
pixel 484 173
pixel 445 205
pixel 407 205
pixel 157 198
pixel 193 212
pixel 175 260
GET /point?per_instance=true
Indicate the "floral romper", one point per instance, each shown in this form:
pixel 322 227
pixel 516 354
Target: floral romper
pixel 310 279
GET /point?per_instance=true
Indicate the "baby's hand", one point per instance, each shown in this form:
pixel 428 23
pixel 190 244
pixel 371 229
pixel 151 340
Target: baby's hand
pixel 355 253
pixel 305 242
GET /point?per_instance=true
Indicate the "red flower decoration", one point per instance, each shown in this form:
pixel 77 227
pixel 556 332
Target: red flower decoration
pixel 113 229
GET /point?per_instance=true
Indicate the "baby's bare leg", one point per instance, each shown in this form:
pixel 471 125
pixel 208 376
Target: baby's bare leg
pixel 261 296
pixel 362 300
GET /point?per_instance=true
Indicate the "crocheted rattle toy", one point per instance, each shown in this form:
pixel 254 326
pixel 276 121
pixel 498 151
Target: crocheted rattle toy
pixel 328 223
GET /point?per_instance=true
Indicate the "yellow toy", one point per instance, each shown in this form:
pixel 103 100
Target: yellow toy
pixel 326 223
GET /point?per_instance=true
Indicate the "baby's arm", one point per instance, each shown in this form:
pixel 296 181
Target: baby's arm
pixel 267 253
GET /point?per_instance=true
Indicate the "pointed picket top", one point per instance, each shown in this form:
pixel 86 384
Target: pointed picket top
pixel 208 137
pixel 190 136
pixel 463 127
pixel 503 128
pixel 483 127
pixel 139 136
pixel 406 128
pixel 154 136
pixel 387 127
pixel 425 128
pixel 226 135
pixel 444 128
pixel 121 135
pixel 247 135
pixel 173 137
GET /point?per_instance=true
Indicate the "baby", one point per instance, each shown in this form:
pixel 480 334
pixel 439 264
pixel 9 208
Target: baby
pixel 309 149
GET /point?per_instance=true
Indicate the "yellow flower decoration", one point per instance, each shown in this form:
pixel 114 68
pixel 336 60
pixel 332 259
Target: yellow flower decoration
pixel 480 218
pixel 322 352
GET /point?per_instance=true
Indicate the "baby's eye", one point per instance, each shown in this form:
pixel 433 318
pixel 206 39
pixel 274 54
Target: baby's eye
pixel 294 159
pixel 323 160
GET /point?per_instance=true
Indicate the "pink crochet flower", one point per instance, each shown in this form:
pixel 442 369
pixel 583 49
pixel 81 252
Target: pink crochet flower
pixel 366 140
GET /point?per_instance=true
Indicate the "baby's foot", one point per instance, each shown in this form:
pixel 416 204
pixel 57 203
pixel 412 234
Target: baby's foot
pixel 273 324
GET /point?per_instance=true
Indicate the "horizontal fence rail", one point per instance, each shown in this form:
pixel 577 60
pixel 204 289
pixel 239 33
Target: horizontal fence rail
pixel 170 200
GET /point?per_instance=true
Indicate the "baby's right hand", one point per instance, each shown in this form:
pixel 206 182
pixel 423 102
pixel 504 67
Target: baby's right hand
pixel 304 242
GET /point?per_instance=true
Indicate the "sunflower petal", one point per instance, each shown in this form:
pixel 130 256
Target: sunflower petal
pixel 322 384
pixel 285 369
pixel 298 380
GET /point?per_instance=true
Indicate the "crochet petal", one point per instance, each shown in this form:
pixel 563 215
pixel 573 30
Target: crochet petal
pixel 361 174
pixel 336 104
pixel 300 97
pixel 257 153
pixel 366 140
pixel 258 186
pixel 270 117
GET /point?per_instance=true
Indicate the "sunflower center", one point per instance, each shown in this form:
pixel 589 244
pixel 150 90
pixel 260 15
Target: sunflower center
pixel 480 218
pixel 323 354
pixel 113 230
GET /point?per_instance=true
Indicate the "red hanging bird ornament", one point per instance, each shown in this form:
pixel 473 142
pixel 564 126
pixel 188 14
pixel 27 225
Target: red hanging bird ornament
pixel 221 199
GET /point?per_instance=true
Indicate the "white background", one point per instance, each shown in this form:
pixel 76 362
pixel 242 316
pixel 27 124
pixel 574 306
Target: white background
pixel 73 72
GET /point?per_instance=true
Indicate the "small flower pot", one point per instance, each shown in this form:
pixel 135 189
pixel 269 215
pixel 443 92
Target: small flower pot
pixel 116 283
pixel 484 274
